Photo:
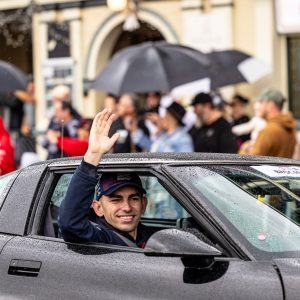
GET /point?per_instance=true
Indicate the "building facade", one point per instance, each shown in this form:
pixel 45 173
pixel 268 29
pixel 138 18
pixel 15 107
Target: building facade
pixel 73 40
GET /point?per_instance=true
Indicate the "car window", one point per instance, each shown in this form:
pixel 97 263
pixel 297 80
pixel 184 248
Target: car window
pixel 161 204
pixel 162 209
pixel 61 189
pixel 262 209
pixel 5 184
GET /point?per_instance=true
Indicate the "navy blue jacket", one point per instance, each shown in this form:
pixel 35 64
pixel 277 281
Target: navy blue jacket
pixel 74 222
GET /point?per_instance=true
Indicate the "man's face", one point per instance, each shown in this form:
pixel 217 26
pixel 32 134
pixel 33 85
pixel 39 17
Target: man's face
pixel 166 120
pixel 202 111
pixel 152 100
pixel 58 111
pixel 122 209
pixel 198 109
pixel 264 109
pixel 111 102
pixel 236 108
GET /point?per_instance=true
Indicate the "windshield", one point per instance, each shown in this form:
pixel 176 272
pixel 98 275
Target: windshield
pixel 260 203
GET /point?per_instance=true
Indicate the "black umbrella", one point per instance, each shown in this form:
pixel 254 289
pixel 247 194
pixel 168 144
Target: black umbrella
pixel 233 66
pixel 156 66
pixel 11 78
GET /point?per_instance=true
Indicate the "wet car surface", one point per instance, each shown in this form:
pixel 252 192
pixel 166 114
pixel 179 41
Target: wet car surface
pixel 227 227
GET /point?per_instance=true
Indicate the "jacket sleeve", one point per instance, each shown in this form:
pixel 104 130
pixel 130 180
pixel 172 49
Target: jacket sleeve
pixel 185 144
pixel 74 211
pixel 263 143
pixel 227 142
pixel 140 139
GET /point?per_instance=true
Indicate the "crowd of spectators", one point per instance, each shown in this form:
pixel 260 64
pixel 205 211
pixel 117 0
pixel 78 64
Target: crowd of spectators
pixel 151 123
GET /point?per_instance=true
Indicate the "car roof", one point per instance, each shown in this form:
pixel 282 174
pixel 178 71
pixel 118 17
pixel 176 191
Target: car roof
pixel 175 158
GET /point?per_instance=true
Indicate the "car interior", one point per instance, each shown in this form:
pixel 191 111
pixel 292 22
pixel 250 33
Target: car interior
pixel 163 210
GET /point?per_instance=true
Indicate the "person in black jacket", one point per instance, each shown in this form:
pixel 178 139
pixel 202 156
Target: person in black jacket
pixel 238 106
pixel 119 200
pixel 214 136
pixel 128 108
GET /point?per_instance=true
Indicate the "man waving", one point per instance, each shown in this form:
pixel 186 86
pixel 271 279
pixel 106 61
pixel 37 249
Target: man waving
pixel 118 201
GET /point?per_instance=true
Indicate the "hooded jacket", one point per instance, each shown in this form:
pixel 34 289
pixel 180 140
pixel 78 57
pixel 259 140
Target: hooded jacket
pixel 278 138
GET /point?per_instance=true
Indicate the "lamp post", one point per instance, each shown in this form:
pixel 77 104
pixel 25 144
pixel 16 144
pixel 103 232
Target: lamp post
pixel 117 5
pixel 207 6
pixel 130 8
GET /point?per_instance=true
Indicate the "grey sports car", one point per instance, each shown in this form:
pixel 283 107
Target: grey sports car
pixel 226 227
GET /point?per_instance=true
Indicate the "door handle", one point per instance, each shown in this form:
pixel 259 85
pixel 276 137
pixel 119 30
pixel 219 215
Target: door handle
pixel 20 267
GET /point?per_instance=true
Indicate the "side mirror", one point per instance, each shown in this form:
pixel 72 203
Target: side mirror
pixel 174 242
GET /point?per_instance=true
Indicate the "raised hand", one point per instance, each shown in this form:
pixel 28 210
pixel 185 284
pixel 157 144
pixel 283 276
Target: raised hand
pixel 99 142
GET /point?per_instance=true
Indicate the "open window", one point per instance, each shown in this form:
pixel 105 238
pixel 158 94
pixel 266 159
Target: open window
pixel 163 210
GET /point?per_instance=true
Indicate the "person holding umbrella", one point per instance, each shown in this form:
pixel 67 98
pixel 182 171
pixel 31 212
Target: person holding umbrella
pixel 127 112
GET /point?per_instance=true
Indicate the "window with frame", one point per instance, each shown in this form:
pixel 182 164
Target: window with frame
pixel 163 210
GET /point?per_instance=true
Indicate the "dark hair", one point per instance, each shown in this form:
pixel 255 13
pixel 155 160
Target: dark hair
pixel 177 111
pixel 135 101
pixel 241 98
pixel 114 97
pixel 202 98
pixel 157 94
pixel 66 105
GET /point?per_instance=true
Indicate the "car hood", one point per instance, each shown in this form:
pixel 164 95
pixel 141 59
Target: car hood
pixel 289 269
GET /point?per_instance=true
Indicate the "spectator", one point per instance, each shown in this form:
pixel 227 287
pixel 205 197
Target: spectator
pixel 60 93
pixel 128 108
pixel 29 100
pixel 253 127
pixel 13 114
pixel 26 142
pixel 151 114
pixel 19 117
pixel 153 102
pixel 278 138
pixel 65 126
pixel 215 133
pixel 173 136
pixel 111 102
pixel 76 146
pixel 238 106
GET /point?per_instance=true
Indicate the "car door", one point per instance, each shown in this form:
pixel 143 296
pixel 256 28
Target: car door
pixel 33 266
pixel 43 268
pixel 6 182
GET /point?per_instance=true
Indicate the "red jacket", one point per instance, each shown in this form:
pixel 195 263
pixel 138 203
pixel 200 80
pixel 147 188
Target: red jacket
pixel 73 146
pixel 7 151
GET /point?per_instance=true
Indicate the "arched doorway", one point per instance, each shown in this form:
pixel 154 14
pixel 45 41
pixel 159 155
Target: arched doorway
pixel 145 33
pixel 110 38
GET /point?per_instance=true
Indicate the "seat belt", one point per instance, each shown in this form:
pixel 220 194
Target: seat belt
pixel 127 241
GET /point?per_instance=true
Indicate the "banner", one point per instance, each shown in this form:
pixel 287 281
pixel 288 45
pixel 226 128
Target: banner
pixel 287 16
